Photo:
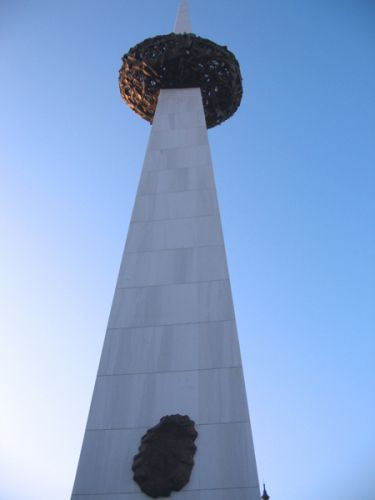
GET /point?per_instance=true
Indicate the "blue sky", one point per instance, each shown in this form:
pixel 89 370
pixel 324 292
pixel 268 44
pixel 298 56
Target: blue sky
pixel 295 178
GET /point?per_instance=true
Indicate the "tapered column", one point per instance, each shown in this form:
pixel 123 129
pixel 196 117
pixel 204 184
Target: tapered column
pixel 183 20
pixel 171 345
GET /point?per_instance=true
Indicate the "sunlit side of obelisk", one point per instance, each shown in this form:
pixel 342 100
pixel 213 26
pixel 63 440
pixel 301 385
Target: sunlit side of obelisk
pixel 171 346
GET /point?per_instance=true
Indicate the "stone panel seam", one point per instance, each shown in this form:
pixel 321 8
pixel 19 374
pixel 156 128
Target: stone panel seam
pixel 157 193
pixel 197 424
pixel 205 146
pixel 159 127
pixel 176 248
pixel 173 218
pixel 185 490
pixel 176 218
pixel 146 171
pixel 230 320
pixel 172 284
pixel 178 169
pixel 161 324
pixel 126 374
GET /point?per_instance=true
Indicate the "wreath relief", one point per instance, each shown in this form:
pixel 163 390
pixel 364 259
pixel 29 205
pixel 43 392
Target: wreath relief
pixel 165 457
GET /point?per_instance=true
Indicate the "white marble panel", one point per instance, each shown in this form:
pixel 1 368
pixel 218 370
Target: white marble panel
pixel 194 346
pixel 224 494
pixel 223 460
pixel 171 304
pixel 170 95
pixel 190 91
pixel 170 139
pixel 225 457
pixel 222 396
pixel 178 179
pixel 178 121
pixel 182 265
pixel 105 462
pixel 174 233
pixel 217 494
pixel 192 156
pixel 140 400
pixel 179 101
pixel 161 206
pixel 137 400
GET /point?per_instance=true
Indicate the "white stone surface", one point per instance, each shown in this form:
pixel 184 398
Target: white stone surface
pixel 207 396
pixel 183 21
pixel 185 232
pixel 180 138
pixel 172 180
pixel 223 460
pixel 183 157
pixel 216 494
pixel 177 121
pixel 194 345
pixel 180 204
pixel 171 344
pixel 171 304
pixel 176 266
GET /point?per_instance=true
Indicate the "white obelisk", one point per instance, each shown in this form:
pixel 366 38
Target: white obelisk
pixel 171 345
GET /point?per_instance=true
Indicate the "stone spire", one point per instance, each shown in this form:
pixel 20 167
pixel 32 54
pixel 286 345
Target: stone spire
pixel 183 20
pixel 265 495
pixel 171 370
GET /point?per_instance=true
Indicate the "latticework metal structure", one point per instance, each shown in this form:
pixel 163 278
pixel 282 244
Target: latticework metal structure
pixel 181 61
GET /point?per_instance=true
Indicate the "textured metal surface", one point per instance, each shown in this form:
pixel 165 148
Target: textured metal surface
pixel 181 61
pixel 166 456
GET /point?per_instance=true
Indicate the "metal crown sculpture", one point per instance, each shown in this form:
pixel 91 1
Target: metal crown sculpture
pixel 181 61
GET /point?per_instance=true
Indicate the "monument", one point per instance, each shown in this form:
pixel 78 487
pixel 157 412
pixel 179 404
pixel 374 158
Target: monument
pixel 169 415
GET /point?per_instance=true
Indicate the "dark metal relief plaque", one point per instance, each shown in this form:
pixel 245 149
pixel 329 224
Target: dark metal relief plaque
pixel 165 457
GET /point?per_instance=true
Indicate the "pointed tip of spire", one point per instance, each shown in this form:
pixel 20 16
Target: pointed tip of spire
pixel 265 495
pixel 183 20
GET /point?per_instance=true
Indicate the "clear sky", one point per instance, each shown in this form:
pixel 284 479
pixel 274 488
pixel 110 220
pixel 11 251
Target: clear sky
pixel 295 177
